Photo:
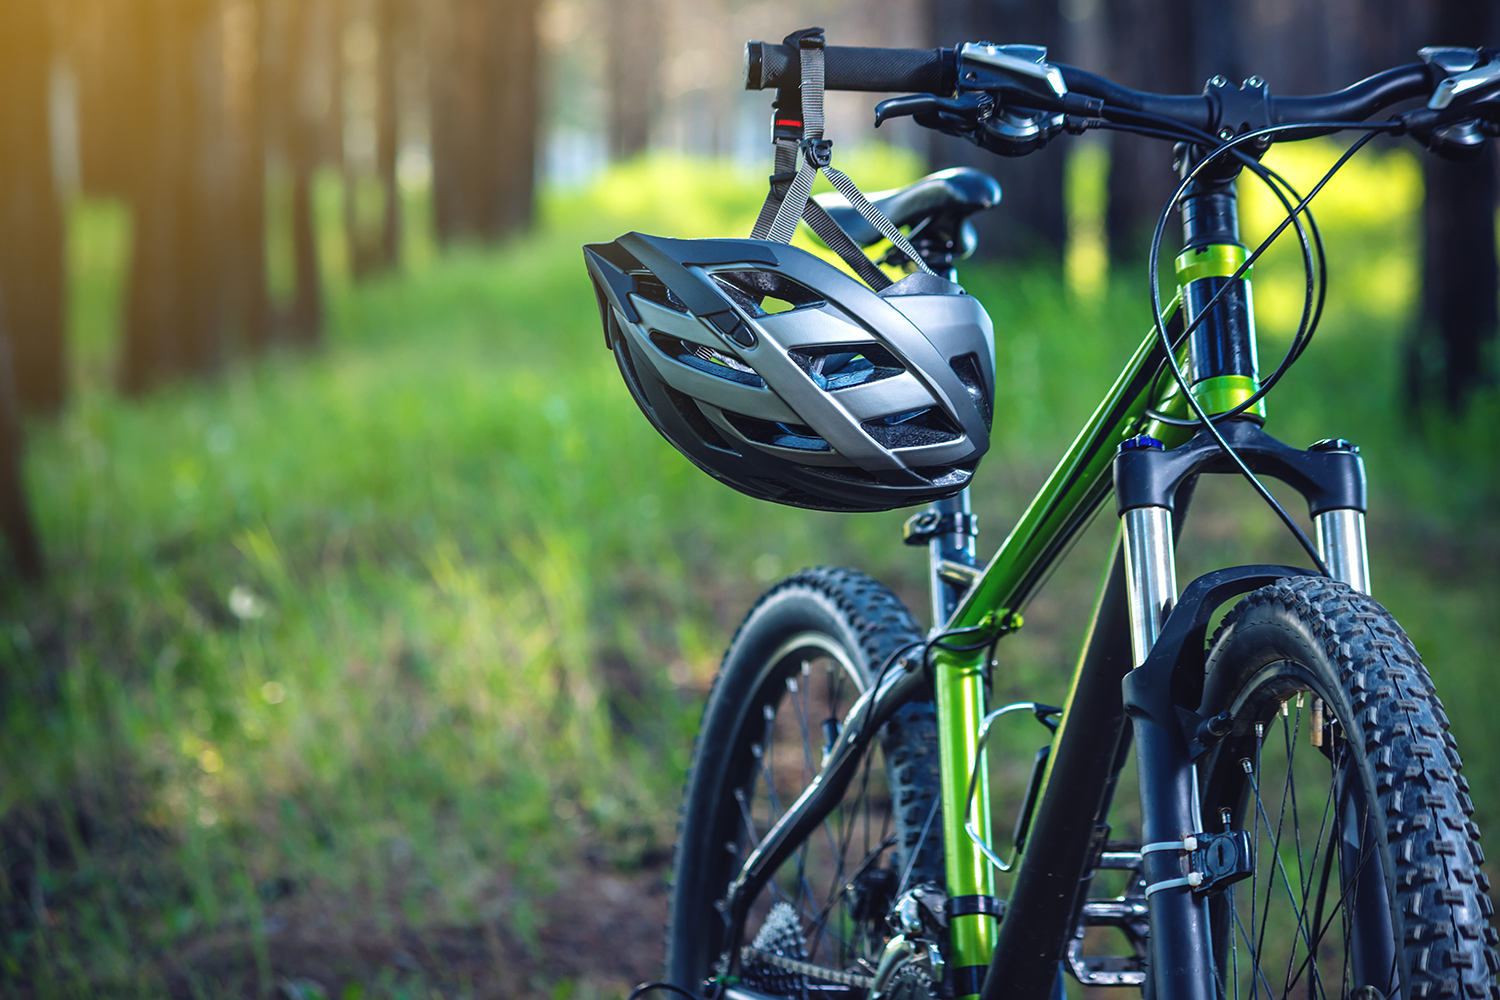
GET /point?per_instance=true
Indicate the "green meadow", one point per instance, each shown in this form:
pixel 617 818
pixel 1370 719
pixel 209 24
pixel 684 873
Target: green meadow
pixel 398 647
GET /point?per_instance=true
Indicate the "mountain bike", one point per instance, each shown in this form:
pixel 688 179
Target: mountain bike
pixel 1304 826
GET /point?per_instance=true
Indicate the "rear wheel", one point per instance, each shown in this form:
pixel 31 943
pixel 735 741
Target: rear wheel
pixel 805 652
pixel 1366 879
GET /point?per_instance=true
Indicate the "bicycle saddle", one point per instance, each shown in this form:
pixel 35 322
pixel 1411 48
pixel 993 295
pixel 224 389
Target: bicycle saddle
pixel 937 208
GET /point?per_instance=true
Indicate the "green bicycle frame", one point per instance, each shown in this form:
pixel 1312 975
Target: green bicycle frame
pixel 1080 482
pixel 1071 495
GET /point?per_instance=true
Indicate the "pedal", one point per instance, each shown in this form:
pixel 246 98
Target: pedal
pixel 1126 913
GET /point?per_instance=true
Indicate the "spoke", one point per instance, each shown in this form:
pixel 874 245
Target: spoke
pixel 739 797
pixel 1289 792
pixel 798 689
pixel 1260 815
pixel 1328 811
pixel 864 866
pixel 1290 892
pixel 1291 780
pixel 1256 974
pixel 766 774
pixel 841 849
pixel 1364 856
pixel 1234 946
pixel 1339 908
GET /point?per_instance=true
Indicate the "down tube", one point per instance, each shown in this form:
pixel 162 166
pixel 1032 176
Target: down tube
pixel 1072 493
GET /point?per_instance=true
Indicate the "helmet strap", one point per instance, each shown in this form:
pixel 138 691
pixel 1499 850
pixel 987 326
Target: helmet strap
pixel 801 138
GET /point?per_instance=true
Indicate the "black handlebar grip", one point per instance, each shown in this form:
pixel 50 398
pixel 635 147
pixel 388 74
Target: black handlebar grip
pixel 847 67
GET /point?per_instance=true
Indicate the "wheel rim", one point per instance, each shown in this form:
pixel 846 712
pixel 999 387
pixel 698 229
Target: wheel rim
pixel 1315 919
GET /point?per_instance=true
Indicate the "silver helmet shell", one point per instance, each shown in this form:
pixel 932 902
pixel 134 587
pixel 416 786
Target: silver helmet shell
pixel 788 379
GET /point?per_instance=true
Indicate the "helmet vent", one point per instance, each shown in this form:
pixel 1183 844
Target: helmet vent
pixel 966 367
pixel 777 434
pixel 652 290
pixel 705 359
pixel 694 418
pixel 843 365
pixel 766 293
pixel 912 429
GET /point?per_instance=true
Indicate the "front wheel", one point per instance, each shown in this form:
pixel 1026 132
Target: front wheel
pixel 805 652
pixel 1366 882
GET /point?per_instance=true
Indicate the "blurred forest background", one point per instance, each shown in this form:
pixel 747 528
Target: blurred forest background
pixel 353 624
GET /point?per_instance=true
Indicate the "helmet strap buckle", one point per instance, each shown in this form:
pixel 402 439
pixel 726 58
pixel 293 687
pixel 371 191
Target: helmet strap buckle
pixel 801 152
pixel 818 152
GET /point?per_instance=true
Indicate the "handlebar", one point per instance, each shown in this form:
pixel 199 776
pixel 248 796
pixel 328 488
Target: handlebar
pixel 936 72
pixel 848 67
pixel 1353 103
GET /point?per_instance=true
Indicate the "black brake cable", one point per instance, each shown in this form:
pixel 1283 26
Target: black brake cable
pixel 1166 128
pixel 1160 320
pixel 1308 322
pixel 1299 341
pixel 1306 329
pixel 1307 325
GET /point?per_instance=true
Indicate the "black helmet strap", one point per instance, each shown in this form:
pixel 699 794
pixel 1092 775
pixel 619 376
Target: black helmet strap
pixel 788 201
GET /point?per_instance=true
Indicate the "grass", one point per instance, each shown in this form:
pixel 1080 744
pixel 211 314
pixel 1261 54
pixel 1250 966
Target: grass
pixel 370 646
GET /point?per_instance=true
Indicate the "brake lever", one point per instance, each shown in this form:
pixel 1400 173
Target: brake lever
pixel 961 115
pixel 1470 73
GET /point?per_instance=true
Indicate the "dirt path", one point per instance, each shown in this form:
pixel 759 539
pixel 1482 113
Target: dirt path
pixel 597 935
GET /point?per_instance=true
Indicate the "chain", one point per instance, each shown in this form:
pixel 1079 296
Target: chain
pixel 749 954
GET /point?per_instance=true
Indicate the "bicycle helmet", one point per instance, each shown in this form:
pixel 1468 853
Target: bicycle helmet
pixel 789 380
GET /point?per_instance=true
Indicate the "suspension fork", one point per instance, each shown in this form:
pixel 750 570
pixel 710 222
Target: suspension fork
pixel 1222 374
pixel 1181 956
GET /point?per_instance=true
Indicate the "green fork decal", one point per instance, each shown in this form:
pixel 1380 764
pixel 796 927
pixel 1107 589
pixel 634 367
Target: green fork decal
pixel 1223 392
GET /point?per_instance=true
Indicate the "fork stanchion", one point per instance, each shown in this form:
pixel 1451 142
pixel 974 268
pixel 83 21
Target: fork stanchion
pixel 1150 574
pixel 1341 529
pixel 1341 543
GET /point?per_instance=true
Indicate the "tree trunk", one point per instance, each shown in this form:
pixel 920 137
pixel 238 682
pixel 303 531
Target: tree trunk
pixel 1450 353
pixel 246 253
pixel 483 80
pixel 1031 220
pixel 634 53
pixel 15 509
pixel 462 115
pixel 169 323
pixel 1152 49
pixel 304 117
pixel 520 89
pixel 388 30
pixel 31 233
